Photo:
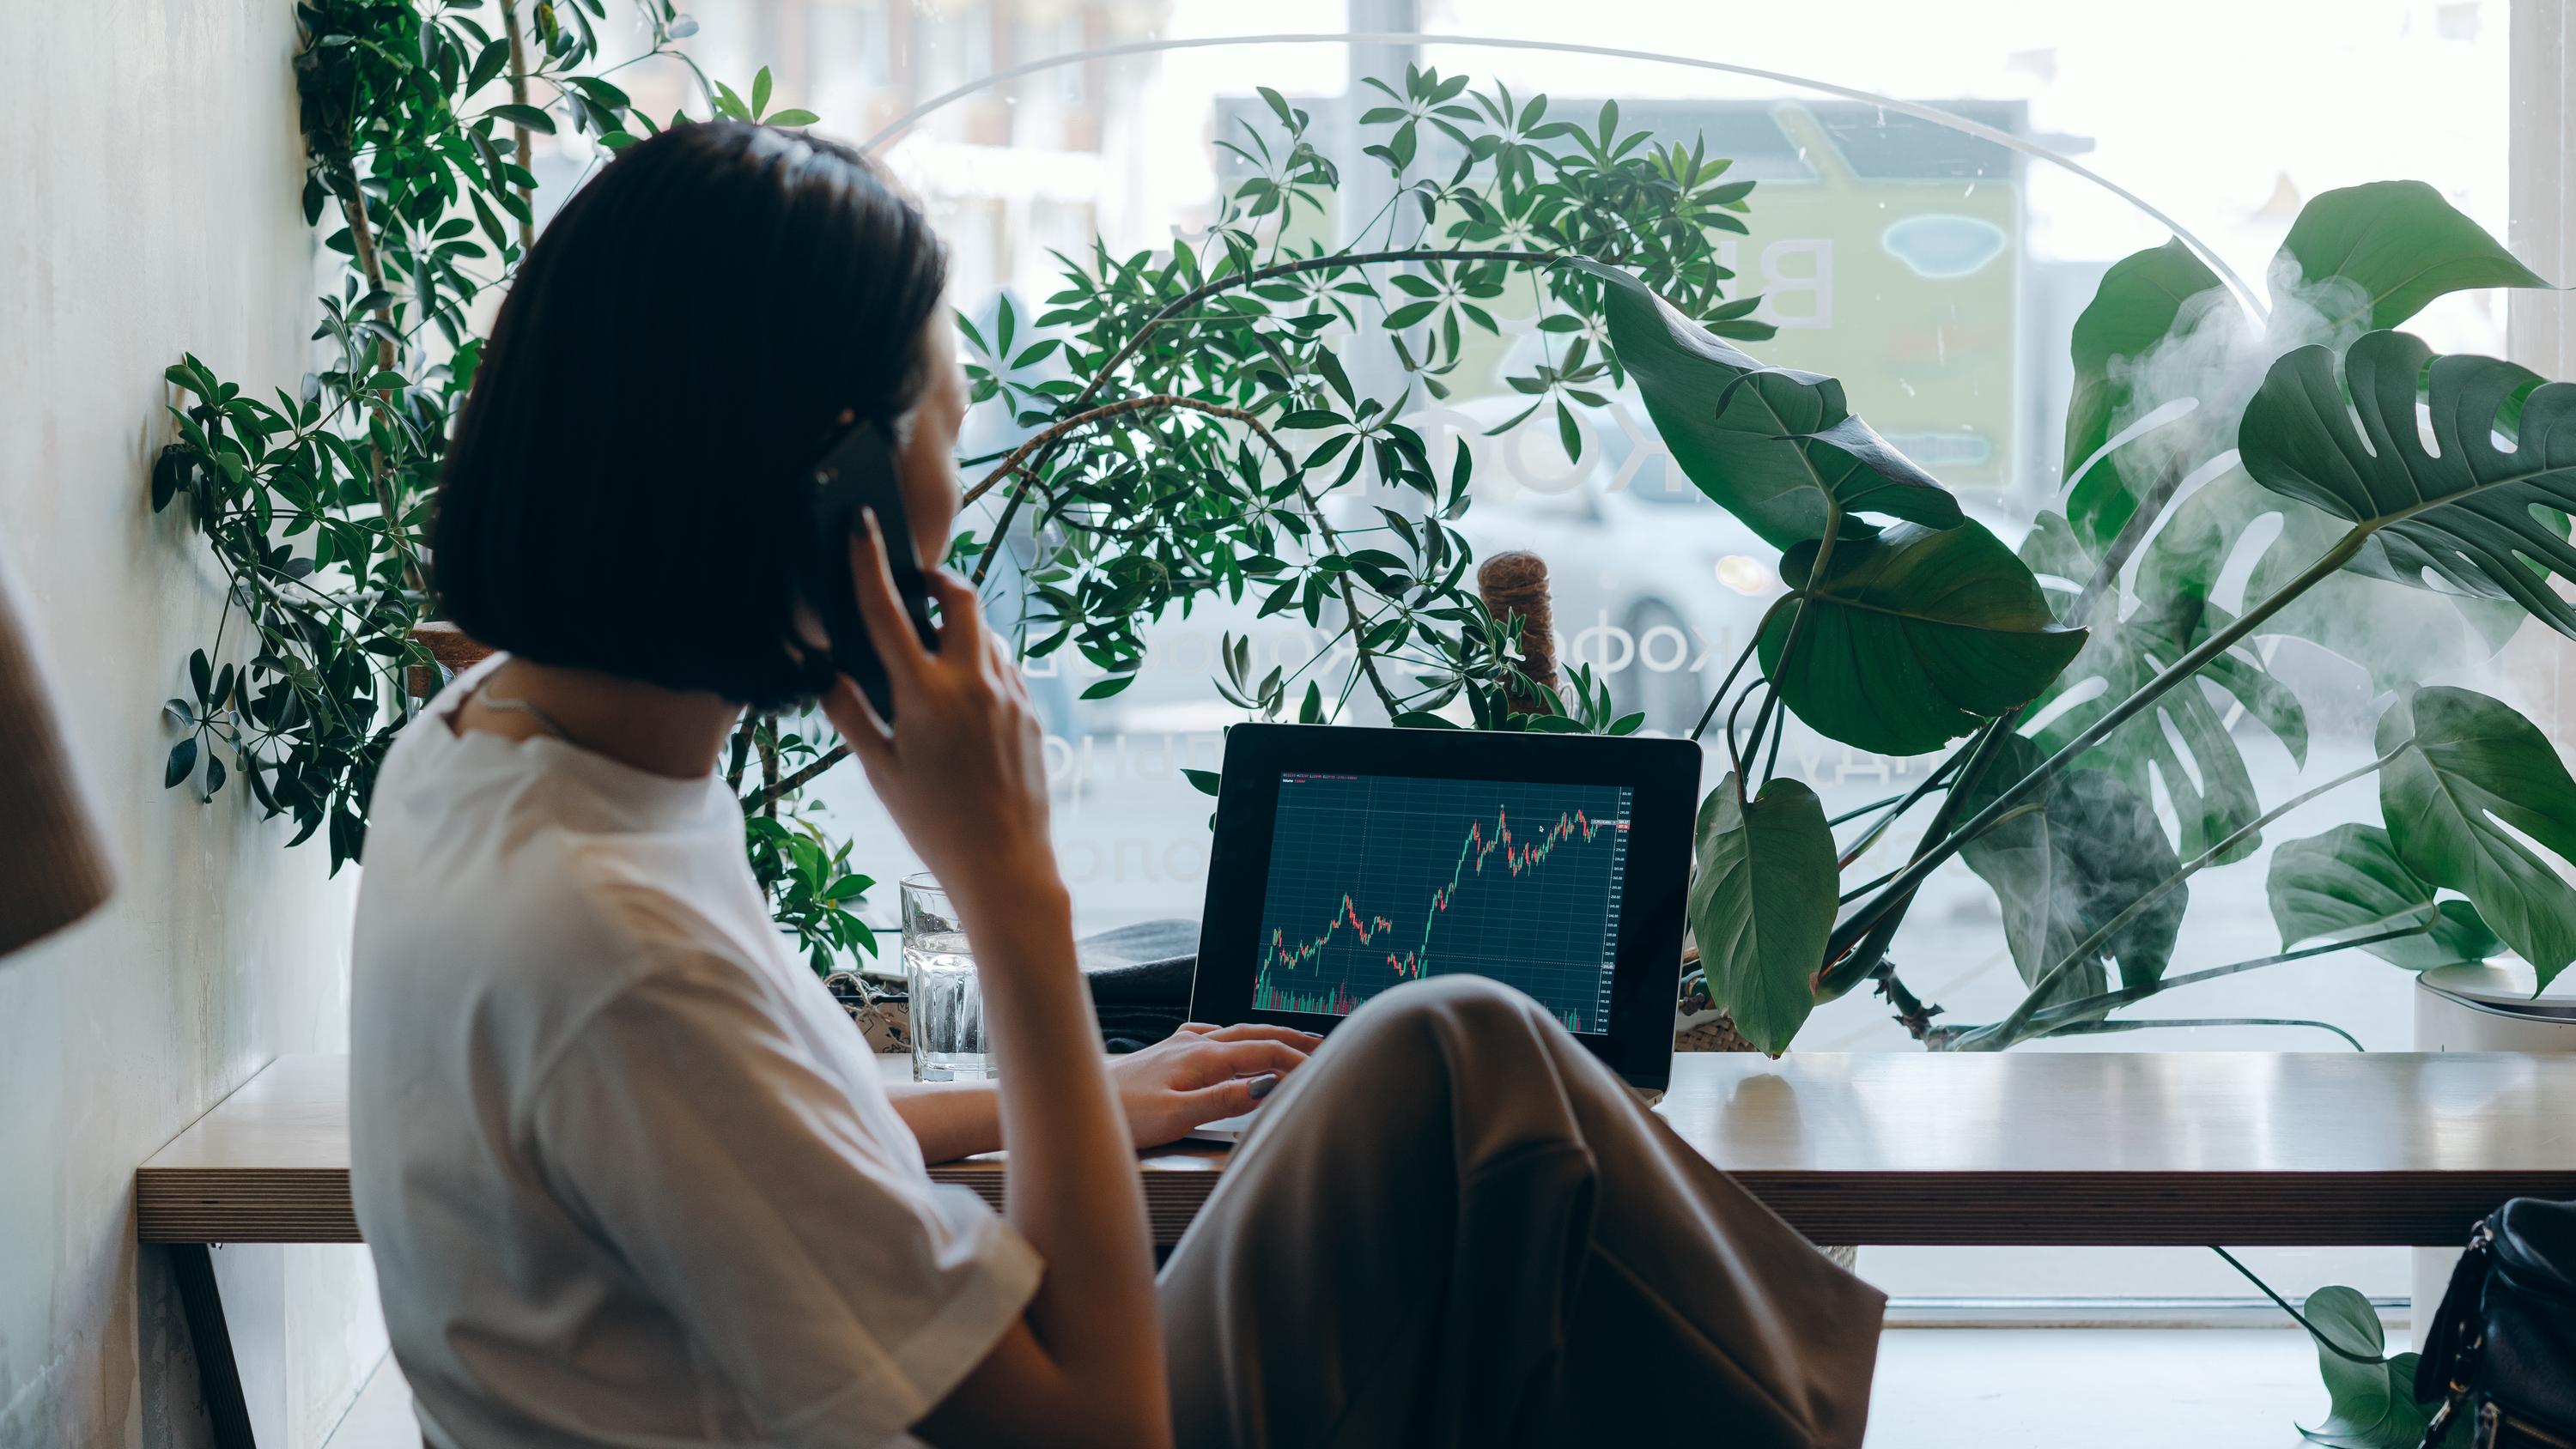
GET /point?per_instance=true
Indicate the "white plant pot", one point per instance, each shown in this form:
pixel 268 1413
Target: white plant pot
pixel 2486 1008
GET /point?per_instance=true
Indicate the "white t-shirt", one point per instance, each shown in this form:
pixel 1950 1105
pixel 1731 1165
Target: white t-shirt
pixel 628 1172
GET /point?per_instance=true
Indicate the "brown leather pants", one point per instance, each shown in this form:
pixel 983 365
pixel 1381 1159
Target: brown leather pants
pixel 1455 1227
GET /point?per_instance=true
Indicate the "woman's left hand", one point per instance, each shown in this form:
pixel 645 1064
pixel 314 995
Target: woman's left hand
pixel 1202 1073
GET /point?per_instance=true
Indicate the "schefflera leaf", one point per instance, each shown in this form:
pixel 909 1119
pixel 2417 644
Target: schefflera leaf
pixel 1762 904
pixel 2349 883
pixel 1779 449
pixel 1912 637
pixel 2467 781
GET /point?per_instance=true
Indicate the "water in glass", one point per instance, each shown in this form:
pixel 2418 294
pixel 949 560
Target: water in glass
pixel 947 1001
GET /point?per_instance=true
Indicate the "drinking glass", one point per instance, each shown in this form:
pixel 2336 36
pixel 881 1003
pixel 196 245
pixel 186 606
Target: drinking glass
pixel 947 1000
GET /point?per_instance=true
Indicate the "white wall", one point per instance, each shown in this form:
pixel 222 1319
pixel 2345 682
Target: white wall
pixel 148 204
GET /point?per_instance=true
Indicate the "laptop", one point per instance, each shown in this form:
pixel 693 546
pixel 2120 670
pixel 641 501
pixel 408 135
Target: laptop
pixel 1349 860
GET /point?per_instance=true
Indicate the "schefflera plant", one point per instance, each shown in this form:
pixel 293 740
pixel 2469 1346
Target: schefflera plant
pixel 2426 495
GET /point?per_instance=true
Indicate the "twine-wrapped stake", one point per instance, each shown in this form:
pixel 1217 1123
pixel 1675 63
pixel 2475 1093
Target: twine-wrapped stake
pixel 1516 583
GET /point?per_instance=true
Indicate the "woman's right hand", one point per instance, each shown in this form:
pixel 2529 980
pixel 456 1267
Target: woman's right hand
pixel 963 773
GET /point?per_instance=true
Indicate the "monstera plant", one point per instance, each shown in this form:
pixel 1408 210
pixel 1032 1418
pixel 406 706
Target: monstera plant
pixel 2063 679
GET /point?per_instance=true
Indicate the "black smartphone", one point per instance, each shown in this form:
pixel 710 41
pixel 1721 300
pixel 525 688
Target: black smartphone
pixel 859 472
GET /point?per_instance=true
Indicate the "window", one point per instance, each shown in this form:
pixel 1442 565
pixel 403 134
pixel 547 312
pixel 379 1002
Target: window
pixel 1935 268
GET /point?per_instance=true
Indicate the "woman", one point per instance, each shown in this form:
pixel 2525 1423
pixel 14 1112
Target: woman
pixel 628 1175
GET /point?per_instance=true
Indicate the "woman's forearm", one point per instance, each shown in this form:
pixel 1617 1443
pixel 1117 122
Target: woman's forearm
pixel 1070 1175
pixel 950 1121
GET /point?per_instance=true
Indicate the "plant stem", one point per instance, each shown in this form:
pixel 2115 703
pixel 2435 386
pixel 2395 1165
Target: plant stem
pixel 772 788
pixel 1910 1010
pixel 1016 461
pixel 1848 816
pixel 1350 604
pixel 2104 1028
pixel 2190 664
pixel 1734 758
pixel 768 747
pixel 2065 1012
pixel 2283 1304
pixel 1796 629
pixel 1903 803
pixel 1190 299
pixel 518 130
pixel 2015 1028
pixel 1718 698
pixel 2132 533
pixel 1865 887
pixel 1855 950
pixel 371 266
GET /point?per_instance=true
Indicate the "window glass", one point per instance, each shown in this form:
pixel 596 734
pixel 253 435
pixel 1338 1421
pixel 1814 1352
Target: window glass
pixel 1934 263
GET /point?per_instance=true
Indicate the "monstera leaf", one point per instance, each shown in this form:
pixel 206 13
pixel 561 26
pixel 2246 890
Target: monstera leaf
pixel 1762 904
pixel 2349 882
pixel 2399 245
pixel 1912 638
pixel 1776 448
pixel 2466 781
pixel 2141 301
pixel 2469 506
pixel 2359 257
pixel 2212 792
pixel 2370 1405
pixel 2065 866
pixel 2399 634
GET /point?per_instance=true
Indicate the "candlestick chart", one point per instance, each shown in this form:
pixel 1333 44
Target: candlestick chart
pixel 1377 880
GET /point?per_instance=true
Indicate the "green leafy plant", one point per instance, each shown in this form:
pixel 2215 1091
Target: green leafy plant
pixel 417 121
pixel 2395 474
pixel 1161 403
pixel 1192 429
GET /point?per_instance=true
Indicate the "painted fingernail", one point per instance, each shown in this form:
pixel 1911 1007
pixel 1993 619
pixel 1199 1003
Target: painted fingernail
pixel 1261 1086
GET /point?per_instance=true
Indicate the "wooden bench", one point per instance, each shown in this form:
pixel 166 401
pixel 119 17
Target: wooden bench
pixel 2233 1148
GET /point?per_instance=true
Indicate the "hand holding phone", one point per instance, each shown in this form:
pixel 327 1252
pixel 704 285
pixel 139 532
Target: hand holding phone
pixel 965 775
pixel 859 474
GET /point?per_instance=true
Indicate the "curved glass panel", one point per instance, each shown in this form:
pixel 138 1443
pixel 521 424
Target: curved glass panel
pixel 1908 233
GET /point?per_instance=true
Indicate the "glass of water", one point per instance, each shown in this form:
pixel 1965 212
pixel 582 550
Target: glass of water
pixel 947 1001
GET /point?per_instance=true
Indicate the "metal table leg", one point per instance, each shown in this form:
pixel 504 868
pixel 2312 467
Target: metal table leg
pixel 218 1376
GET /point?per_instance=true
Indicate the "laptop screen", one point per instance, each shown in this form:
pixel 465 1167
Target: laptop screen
pixel 1379 879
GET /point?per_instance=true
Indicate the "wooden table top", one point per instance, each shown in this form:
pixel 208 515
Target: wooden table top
pixel 2238 1148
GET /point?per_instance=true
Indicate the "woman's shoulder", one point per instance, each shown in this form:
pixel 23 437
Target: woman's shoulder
pixel 510 908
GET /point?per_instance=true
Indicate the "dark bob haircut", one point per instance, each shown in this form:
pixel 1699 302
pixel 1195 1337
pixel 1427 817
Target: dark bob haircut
pixel 628 491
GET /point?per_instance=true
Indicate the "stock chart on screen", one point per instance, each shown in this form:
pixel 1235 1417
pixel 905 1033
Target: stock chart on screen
pixel 1378 879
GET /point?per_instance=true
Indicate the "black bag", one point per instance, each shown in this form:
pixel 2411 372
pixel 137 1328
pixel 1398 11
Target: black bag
pixel 2502 1348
